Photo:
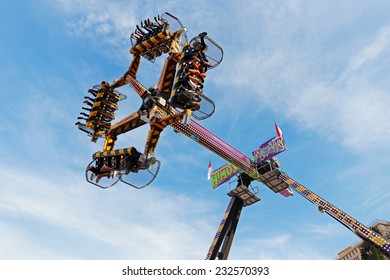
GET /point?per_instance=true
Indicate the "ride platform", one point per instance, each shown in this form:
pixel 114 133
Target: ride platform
pixel 269 176
pixel 247 195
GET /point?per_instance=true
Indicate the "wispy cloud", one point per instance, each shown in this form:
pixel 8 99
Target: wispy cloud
pixel 18 243
pixel 283 57
pixel 300 80
pixel 376 47
pixel 106 21
pixel 129 224
pixel 278 246
pixel 368 180
pixel 327 230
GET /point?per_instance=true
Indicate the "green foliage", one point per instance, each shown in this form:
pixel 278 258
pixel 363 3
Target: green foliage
pixel 371 252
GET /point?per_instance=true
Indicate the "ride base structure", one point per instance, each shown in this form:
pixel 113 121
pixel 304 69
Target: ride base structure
pixel 178 100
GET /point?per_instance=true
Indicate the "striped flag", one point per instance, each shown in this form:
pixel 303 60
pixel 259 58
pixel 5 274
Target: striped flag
pixel 209 170
pixel 278 130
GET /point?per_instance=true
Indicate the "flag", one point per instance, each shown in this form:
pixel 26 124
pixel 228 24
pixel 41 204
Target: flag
pixel 209 170
pixel 278 130
pixel 286 192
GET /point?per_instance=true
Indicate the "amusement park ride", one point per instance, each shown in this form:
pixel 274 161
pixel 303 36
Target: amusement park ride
pixel 177 101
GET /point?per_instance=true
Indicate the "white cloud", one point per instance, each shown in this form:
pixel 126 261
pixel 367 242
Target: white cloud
pixel 326 230
pixel 276 247
pixel 376 47
pixel 307 82
pixel 18 244
pixel 104 25
pixel 147 224
pixel 278 57
pixel 368 180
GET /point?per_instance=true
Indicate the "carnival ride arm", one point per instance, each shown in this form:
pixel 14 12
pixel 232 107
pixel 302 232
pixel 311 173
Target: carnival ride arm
pixel 324 206
pixel 216 145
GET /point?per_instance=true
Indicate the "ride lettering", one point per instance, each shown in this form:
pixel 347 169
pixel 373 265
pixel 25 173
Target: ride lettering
pixel 223 174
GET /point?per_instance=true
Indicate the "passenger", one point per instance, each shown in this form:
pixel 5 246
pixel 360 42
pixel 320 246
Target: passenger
pixel 88 103
pixel 132 160
pixel 104 171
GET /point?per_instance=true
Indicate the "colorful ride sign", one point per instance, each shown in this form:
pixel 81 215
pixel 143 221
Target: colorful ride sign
pixel 223 174
pixel 269 149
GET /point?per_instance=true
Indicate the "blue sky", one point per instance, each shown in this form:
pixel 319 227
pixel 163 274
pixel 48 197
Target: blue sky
pixel 318 69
